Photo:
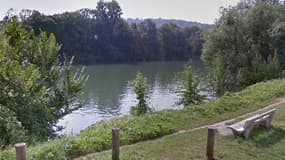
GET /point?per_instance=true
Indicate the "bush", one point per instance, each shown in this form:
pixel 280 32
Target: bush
pixel 140 87
pixel 35 87
pixel 188 90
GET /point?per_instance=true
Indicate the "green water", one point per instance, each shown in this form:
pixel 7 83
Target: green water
pixel 108 94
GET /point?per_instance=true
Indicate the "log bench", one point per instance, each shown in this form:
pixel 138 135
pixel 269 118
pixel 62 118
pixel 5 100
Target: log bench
pixel 245 126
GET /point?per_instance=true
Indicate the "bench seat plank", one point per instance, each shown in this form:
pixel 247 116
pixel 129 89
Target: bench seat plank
pixel 238 127
pixel 245 126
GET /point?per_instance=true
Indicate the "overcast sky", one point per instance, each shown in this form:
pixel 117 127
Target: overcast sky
pixel 205 11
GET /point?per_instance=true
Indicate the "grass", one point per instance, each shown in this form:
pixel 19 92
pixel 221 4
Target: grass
pixel 135 129
pixel 263 144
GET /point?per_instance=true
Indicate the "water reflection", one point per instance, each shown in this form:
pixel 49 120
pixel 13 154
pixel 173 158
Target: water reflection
pixel 108 94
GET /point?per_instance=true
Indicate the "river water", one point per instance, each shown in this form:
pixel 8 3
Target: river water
pixel 108 94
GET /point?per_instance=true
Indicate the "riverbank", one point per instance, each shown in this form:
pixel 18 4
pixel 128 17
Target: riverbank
pixel 108 93
pixel 263 144
pixel 134 129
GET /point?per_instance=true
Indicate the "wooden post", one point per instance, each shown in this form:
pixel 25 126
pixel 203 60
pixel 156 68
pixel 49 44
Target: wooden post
pixel 210 144
pixel 115 144
pixel 20 151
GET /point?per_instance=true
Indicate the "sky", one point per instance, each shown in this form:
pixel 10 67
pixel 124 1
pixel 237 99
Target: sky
pixel 205 11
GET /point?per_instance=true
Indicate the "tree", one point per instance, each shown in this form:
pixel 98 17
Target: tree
pixel 188 90
pixel 173 42
pixel 148 32
pixel 244 35
pixel 36 88
pixel 123 41
pixel 139 45
pixel 102 35
pixel 108 12
pixel 194 40
pixel 140 86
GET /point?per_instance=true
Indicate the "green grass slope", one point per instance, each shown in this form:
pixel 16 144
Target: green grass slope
pixel 264 144
pixel 134 129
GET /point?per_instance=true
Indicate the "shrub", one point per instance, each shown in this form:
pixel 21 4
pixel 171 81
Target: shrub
pixel 35 87
pixel 188 90
pixel 140 87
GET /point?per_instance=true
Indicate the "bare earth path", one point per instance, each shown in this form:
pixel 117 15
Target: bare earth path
pixel 222 126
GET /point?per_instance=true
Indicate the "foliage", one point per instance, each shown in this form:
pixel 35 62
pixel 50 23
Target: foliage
pixel 36 89
pixel 140 87
pixel 181 23
pixel 138 128
pixel 246 45
pixel 148 37
pixel 189 91
pixel 102 35
pixel 173 42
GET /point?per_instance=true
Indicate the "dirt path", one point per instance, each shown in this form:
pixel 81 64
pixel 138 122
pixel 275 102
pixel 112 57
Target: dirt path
pixel 222 126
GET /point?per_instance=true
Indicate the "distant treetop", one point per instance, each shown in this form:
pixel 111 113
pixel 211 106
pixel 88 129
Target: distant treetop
pixel 181 23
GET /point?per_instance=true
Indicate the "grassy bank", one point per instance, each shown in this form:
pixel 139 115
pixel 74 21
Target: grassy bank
pixel 135 129
pixel 263 144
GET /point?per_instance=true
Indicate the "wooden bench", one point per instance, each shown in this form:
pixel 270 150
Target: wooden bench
pixel 245 127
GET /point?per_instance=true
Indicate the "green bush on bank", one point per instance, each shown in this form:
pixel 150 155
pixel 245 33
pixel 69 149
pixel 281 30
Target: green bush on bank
pixel 134 129
pixel 140 88
pixel 37 87
pixel 188 90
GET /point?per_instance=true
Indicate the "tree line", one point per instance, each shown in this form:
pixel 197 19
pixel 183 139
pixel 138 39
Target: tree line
pixel 246 45
pixel 181 23
pixel 102 35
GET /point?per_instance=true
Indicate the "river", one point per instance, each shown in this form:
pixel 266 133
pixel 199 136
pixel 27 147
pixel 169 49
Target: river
pixel 108 94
